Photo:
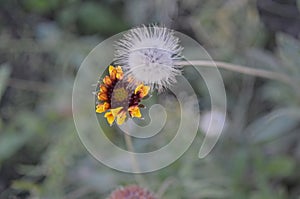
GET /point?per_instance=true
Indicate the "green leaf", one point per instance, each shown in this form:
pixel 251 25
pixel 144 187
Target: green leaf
pixel 273 125
pixel 280 167
pixel 16 135
pixel 10 143
pixel 259 58
pixel 93 17
pixel 5 71
pixel 41 7
pixel 289 51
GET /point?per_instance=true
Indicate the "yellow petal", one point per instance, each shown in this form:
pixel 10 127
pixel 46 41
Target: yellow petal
pixel 111 68
pixel 142 89
pixel 115 72
pixel 116 111
pixel 135 111
pixel 121 118
pixel 100 108
pixel 119 73
pixel 109 117
pixel 138 88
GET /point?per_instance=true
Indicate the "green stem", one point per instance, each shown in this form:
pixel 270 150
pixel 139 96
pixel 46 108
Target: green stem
pixel 240 69
pixel 138 177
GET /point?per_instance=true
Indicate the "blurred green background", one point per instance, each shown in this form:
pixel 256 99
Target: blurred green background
pixel 42 44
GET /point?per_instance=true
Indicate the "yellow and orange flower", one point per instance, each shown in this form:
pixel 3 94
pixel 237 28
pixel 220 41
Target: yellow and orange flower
pixel 116 98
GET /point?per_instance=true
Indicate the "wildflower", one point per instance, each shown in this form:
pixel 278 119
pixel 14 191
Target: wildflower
pixel 116 98
pixel 148 54
pixel 131 192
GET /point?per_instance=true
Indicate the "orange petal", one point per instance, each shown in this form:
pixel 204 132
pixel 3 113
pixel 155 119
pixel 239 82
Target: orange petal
pixel 134 111
pixel 109 117
pixel 113 75
pixel 100 108
pixel 103 89
pixel 142 89
pixel 107 81
pixel 130 79
pixel 102 96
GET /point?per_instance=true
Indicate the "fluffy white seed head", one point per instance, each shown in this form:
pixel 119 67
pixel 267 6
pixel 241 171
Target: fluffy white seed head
pixel 148 55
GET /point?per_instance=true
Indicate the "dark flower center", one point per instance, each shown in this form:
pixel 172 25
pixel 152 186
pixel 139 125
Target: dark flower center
pixel 121 95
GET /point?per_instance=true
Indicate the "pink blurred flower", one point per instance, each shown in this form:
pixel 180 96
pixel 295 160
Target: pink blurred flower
pixel 132 192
